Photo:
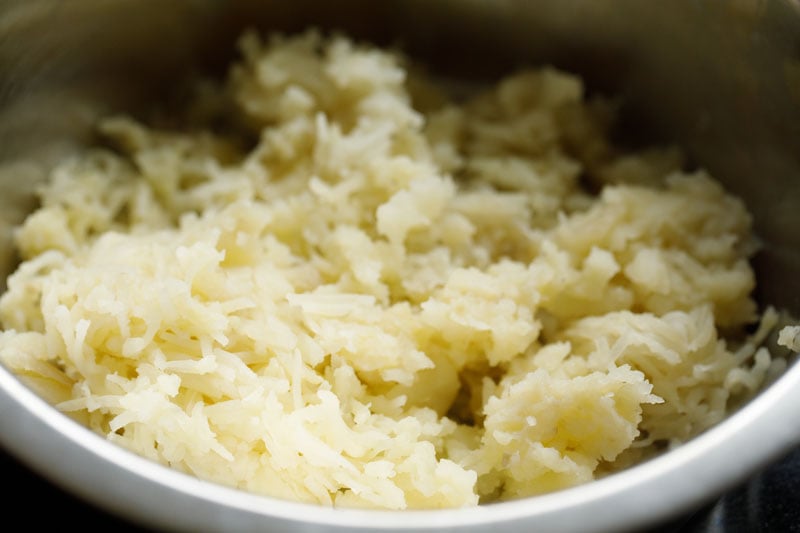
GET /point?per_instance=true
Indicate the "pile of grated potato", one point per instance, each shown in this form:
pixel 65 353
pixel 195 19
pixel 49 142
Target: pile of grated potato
pixel 363 293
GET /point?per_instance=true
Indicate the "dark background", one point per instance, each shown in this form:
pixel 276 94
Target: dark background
pixel 768 503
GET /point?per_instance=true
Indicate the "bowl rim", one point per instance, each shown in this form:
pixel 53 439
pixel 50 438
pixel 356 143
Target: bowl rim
pixel 145 492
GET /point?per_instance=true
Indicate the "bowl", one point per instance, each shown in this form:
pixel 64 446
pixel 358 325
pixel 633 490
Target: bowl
pixel 723 79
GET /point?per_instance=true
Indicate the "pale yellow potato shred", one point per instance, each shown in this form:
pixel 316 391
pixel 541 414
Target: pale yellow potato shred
pixel 386 298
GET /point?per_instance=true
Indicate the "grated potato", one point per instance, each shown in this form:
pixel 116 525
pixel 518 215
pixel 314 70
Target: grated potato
pixel 367 294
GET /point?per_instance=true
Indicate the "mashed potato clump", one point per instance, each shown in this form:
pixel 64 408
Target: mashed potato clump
pixel 367 294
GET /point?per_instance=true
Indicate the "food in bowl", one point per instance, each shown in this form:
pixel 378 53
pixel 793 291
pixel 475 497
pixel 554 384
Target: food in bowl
pixel 336 283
